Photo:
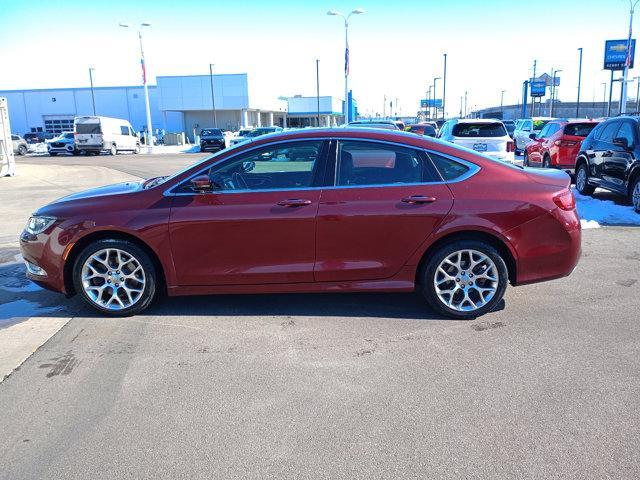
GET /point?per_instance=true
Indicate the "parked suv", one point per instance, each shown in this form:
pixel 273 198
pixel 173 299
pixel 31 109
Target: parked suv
pixel 485 136
pixel 524 128
pixel 37 137
pixel 20 146
pixel 211 139
pixel 64 143
pixel 557 145
pixel 609 158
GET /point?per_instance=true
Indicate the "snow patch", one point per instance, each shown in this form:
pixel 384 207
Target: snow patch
pixel 595 213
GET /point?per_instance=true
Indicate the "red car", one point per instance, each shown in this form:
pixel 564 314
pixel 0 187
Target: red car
pixel 557 145
pixel 337 210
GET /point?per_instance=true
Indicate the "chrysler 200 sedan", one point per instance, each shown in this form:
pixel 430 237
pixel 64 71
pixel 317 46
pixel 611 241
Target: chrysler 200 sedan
pixel 321 210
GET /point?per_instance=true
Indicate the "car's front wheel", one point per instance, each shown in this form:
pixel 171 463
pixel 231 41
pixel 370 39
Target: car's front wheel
pixel 582 180
pixel 464 279
pixel 635 194
pixel 113 150
pixel 22 150
pixel 115 277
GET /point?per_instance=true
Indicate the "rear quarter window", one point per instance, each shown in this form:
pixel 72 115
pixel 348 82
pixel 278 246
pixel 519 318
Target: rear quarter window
pixel 449 169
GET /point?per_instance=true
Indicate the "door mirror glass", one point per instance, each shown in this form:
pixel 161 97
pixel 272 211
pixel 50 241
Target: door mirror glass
pixel 201 184
pixel 533 136
pixel 248 165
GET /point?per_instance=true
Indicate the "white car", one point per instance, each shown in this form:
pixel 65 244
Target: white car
pixel 241 136
pixel 485 136
pixel 97 134
pixel 524 128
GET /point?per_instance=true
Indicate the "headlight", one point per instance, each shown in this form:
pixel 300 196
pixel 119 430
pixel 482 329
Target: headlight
pixel 38 224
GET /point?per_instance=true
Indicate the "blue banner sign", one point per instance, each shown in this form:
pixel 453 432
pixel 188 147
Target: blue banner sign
pixel 615 54
pixel 538 88
pixel 431 103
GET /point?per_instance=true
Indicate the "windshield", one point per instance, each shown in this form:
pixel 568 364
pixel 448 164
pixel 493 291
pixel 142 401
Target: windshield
pixel 67 135
pixel 479 130
pixel 211 132
pixel 538 124
pixel 243 133
pixel 88 128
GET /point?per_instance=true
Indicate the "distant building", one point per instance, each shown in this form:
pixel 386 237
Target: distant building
pixel 304 111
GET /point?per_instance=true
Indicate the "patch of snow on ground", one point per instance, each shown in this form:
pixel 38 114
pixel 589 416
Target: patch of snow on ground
pixel 595 213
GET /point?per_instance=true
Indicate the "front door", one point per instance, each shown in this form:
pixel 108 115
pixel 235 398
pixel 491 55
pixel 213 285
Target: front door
pixel 258 224
pixel 386 201
pixel 617 165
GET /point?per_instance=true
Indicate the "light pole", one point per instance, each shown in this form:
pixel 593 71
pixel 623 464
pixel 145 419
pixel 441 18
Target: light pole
pixel 93 98
pixel 318 89
pixel 553 90
pixel 604 99
pixel 637 79
pixel 357 11
pixel 579 79
pixel 465 104
pixel 213 99
pixel 502 102
pixel 444 88
pixel 149 139
pixel 627 63
pixel 427 112
pixel 435 105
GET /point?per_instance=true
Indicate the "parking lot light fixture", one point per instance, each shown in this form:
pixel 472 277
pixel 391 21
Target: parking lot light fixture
pixel 357 11
pixel 149 138
pixel 627 63
pixel 435 106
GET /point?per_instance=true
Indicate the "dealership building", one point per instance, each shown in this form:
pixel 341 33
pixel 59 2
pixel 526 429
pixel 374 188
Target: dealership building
pixel 178 104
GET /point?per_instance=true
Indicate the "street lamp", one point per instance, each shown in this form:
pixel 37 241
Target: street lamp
pixel 357 11
pixel 579 79
pixel 627 63
pixel 553 90
pixel 604 99
pixel 444 88
pixel 149 139
pixel 213 99
pixel 637 79
pixel 435 106
pixel 93 98
pixel 502 102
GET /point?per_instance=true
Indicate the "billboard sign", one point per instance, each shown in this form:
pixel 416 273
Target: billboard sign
pixel 538 88
pixel 431 103
pixel 615 54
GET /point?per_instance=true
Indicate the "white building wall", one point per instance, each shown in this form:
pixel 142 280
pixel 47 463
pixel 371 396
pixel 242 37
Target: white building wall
pixel 308 105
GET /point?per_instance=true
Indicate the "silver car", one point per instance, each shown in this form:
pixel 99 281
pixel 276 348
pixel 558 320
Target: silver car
pixel 63 143
pixel 20 146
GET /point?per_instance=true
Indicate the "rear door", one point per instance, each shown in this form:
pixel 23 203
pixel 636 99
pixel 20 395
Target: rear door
pixel 89 132
pixel 603 151
pixel 386 200
pixel 566 152
pixel 535 148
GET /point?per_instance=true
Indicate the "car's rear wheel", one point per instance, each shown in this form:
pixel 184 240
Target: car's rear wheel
pixel 635 194
pixel 115 277
pixel 136 150
pixel 464 279
pixel 582 180
pixel 22 150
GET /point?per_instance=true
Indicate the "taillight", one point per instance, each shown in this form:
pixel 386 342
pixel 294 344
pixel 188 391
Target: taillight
pixel 565 200
pixel 511 147
pixel 557 143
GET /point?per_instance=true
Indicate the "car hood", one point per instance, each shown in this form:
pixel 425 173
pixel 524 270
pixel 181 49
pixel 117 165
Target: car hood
pixel 116 189
pixel 548 176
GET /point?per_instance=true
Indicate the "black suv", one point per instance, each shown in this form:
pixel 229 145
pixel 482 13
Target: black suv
pixel 610 158
pixel 211 139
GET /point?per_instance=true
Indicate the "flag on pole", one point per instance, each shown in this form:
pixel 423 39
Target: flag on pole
pixel 144 71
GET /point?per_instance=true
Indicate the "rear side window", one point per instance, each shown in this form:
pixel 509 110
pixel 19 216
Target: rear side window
pixel 88 128
pixel 609 130
pixel 369 163
pixel 579 129
pixel 479 130
pixel 626 131
pixel 449 169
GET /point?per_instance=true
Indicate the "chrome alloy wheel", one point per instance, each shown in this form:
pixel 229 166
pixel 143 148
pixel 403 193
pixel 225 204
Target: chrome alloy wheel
pixel 581 180
pixel 635 197
pixel 466 280
pixel 113 279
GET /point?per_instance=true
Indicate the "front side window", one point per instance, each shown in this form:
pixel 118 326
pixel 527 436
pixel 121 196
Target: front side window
pixel 370 163
pixel 526 125
pixel 124 130
pixel 282 166
pixel 449 169
pixel 609 130
pixel 544 132
pixel 626 131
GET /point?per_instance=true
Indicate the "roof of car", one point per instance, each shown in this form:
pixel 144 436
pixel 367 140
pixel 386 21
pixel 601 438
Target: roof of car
pixel 478 120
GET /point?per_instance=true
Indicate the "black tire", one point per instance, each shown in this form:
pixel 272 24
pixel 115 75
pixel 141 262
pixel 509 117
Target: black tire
pixel 151 276
pixel 22 150
pixel 583 188
pixel 53 154
pixel 516 150
pixel 635 202
pixel 546 163
pixel 525 161
pixel 428 274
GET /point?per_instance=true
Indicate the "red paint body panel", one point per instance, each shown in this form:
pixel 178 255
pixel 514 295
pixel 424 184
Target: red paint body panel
pixel 345 239
pixel 562 149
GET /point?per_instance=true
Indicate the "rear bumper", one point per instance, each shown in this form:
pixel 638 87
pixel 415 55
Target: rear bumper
pixel 548 247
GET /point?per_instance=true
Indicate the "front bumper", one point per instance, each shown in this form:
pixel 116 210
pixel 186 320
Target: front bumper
pixel 70 148
pixel 43 252
pixel 212 145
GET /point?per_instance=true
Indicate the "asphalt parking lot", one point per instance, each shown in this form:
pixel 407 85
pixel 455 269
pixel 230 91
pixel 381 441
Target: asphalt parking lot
pixel 321 386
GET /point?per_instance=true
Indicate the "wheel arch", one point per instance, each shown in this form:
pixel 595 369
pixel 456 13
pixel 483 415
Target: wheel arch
pixel 491 239
pixel 580 159
pixel 635 173
pixel 90 238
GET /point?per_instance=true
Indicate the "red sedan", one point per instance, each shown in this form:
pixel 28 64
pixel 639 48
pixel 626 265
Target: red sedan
pixel 558 144
pixel 313 211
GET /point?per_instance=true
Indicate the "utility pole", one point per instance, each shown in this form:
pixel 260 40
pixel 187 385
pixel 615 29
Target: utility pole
pixel 627 63
pixel 318 89
pixel 604 99
pixel 435 105
pixel 213 98
pixel 579 79
pixel 610 94
pixel 460 106
pixel 465 104
pixel 533 99
pixel 93 98
pixel 444 89
pixel 384 107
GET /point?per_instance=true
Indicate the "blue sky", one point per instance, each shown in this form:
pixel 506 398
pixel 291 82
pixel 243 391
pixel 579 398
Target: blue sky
pixel 396 47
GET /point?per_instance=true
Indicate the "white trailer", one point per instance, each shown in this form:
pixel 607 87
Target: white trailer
pixel 7 160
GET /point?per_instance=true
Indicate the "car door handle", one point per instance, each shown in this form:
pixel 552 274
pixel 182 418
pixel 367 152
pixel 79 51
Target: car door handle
pixel 294 202
pixel 419 199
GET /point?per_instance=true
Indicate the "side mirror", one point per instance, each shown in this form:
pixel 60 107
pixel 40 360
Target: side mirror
pixel 201 184
pixel 248 166
pixel 621 142
pixel 533 136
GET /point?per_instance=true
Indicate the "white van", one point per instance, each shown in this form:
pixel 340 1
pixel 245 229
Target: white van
pixel 97 134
